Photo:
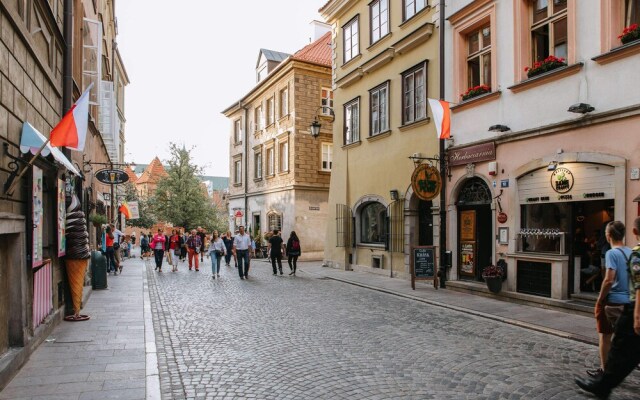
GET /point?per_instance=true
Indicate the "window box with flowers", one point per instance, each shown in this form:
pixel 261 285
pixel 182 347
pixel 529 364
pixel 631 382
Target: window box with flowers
pixel 475 92
pixel 493 276
pixel 548 64
pixel 630 34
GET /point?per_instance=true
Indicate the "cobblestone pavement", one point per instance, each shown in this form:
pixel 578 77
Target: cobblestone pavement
pixel 308 338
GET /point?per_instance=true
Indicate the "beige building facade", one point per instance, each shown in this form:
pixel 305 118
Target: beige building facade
pixel 279 173
pixel 385 66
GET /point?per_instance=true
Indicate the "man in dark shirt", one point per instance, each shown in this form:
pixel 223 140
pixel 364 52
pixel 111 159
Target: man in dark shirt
pixel 276 249
pixel 202 235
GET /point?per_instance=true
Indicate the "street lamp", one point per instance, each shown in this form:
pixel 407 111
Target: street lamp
pixel 316 125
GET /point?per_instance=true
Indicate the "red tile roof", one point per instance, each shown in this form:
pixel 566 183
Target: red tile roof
pixel 318 52
pixel 132 175
pixel 153 172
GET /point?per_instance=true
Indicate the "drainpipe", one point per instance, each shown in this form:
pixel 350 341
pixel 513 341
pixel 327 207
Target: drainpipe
pixel 443 163
pixel 67 80
pixel 245 118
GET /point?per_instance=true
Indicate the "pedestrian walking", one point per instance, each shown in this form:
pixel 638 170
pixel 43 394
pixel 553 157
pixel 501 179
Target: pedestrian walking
pixel 293 252
pixel 109 238
pixel 117 240
pixel 202 237
pixel 624 354
pixel 133 240
pixel 228 243
pixel 174 250
pixel 183 245
pixel 276 249
pixel 144 245
pixel 217 249
pixel 157 244
pixel 167 248
pixel 614 293
pixel 241 244
pixel 194 244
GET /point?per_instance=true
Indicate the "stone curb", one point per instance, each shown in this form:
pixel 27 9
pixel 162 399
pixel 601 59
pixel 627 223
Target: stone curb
pixel 152 374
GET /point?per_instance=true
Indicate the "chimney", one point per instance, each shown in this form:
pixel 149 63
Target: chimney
pixel 318 29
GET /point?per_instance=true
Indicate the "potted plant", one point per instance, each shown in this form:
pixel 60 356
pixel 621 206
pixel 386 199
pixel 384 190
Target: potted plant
pixel 630 34
pixel 98 219
pixel 475 91
pixel 493 275
pixel 548 64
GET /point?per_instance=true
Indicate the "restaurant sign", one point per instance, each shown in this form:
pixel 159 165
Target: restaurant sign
pixel 562 180
pixel 426 182
pixel 112 176
pixel 472 154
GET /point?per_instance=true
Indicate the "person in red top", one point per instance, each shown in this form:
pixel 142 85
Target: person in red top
pixel 174 249
pixel 157 244
pixel 110 253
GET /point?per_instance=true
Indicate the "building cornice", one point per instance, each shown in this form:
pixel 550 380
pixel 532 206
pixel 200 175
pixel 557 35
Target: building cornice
pixel 334 8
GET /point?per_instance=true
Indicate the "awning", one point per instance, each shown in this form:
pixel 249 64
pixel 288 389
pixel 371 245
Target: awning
pixel 32 140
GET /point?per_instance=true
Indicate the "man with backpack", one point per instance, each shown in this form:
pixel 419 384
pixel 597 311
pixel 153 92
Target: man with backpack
pixel 293 252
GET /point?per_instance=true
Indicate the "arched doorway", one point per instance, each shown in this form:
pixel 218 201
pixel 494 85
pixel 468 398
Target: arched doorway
pixel 425 223
pixel 475 229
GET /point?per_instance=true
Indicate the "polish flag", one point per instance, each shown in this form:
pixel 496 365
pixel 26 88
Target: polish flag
pixel 71 131
pixel 442 117
pixel 124 209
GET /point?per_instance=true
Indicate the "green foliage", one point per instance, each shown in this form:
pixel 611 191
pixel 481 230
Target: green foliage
pixel 181 199
pixel 98 219
pixel 147 218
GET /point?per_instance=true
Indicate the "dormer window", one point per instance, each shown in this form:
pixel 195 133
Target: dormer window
pixel 262 72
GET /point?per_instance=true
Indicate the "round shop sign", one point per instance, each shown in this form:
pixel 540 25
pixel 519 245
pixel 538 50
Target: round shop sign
pixel 562 180
pixel 426 182
pixel 239 214
pixel 112 176
pixel 502 217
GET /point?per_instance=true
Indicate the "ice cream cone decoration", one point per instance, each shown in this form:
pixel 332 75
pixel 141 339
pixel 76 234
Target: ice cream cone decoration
pixel 77 256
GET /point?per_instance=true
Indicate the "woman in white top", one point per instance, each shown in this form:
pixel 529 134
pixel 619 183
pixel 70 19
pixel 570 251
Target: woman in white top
pixel 217 250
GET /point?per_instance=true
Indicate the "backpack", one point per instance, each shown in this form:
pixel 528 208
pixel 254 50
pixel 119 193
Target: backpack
pixel 144 241
pixel 295 245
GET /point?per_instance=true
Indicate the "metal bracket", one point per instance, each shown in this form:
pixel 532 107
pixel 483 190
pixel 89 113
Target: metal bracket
pixel 433 161
pixel 14 167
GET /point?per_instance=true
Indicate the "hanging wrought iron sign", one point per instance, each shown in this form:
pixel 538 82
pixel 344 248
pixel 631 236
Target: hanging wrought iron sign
pixel 426 182
pixel 112 176
pixel 562 180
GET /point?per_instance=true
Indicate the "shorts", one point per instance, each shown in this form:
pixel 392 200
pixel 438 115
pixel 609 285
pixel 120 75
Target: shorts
pixel 603 325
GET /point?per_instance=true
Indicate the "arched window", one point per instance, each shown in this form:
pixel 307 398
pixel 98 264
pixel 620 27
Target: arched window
pixel 275 221
pixel 373 223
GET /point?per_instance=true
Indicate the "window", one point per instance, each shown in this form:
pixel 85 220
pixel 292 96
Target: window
pixel 92 58
pixel 351 45
pixel 373 223
pixel 327 101
pixel 414 89
pixel 549 29
pixel 327 156
pixel 412 7
pixel 631 12
pixel 284 102
pixel 283 153
pixel 379 103
pixel 479 57
pixel 237 172
pixel 379 11
pixel 271 111
pixel 259 118
pixel 352 122
pixel 270 161
pixel 275 221
pixel 237 131
pixel 262 72
pixel 257 158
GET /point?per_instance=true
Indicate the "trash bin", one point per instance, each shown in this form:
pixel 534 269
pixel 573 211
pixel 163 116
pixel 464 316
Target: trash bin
pixel 98 270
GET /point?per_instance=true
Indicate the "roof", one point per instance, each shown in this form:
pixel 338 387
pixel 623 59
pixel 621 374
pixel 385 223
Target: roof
pixel 272 55
pixel 153 172
pixel 318 52
pixel 132 175
pixel 217 182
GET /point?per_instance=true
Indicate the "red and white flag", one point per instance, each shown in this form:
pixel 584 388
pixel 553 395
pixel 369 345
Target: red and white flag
pixel 71 131
pixel 441 117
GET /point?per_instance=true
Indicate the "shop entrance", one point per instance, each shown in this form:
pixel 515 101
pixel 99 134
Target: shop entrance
pixel 475 229
pixel 425 229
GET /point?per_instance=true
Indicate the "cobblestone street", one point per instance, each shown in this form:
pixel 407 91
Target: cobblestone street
pixel 309 338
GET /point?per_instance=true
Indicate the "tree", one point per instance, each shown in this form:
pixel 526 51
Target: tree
pixel 180 198
pixel 147 219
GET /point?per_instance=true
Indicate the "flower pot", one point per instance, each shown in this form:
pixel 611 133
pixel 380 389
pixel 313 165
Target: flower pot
pixel 494 283
pixel 631 37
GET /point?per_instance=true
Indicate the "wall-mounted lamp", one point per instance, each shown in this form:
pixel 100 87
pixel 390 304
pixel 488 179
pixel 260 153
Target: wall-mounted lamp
pixel 552 166
pixel 499 128
pixel 581 108
pixel 315 126
pixel 394 194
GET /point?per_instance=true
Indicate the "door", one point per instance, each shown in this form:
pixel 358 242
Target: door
pixel 425 224
pixel 475 229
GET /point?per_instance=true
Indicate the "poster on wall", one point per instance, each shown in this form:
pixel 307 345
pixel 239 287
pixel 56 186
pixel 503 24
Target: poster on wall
pixel 467 258
pixel 36 252
pixel 468 225
pixel 62 216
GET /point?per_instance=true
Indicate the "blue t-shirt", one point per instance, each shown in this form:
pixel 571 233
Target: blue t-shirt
pixel 615 260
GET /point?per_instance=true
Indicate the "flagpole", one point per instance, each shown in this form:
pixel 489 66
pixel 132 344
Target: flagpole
pixel 9 191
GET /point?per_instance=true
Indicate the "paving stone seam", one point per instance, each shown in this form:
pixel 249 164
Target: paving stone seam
pixel 480 314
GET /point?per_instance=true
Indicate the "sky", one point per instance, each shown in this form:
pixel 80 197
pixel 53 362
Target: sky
pixel 189 60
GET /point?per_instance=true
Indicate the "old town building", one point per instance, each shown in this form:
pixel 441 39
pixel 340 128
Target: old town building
pixel 385 66
pixel 34 61
pixel 545 154
pixel 279 172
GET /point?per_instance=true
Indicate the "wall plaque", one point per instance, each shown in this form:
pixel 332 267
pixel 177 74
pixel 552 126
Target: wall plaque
pixel 472 154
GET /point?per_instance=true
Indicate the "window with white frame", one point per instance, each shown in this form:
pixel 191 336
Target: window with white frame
pixel 275 221
pixel 237 171
pixel 414 90
pixel 379 103
pixel 379 11
pixel 412 7
pixel 352 121
pixel 350 39
pixel 92 58
pixel 259 118
pixel 257 163
pixel 271 158
pixel 373 223
pixel 479 57
pixel 549 29
pixel 283 152
pixel 327 156
pixel 237 131
pixel 271 110
pixel 284 102
pixel 327 101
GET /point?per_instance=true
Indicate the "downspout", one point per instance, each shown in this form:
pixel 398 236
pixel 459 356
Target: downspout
pixel 443 162
pixel 246 160
pixel 67 80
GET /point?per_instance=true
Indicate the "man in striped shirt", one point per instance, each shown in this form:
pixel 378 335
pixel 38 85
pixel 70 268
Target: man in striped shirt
pixel 241 246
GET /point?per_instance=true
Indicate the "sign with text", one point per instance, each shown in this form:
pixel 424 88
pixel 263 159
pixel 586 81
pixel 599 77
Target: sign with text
pixel 426 182
pixel 423 264
pixel 112 176
pixel 472 154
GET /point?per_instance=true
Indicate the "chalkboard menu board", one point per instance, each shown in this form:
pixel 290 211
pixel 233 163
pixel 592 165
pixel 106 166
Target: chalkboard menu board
pixel 423 264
